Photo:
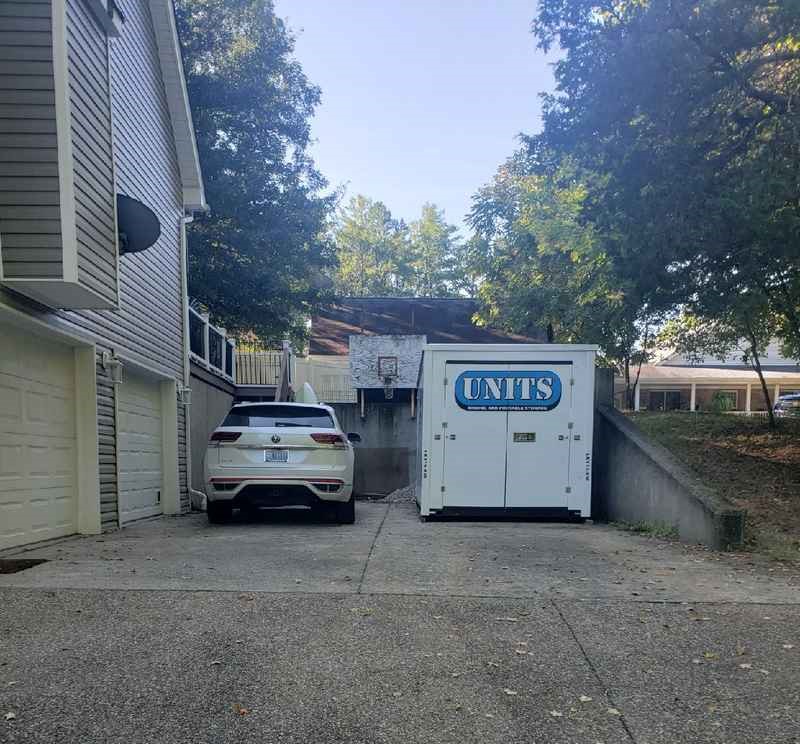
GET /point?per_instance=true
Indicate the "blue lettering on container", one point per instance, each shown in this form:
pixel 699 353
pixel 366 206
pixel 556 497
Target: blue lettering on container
pixel 508 391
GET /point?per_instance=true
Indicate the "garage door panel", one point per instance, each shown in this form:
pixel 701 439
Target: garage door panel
pixel 140 448
pixel 38 451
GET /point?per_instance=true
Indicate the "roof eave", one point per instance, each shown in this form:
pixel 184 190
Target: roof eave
pixel 169 52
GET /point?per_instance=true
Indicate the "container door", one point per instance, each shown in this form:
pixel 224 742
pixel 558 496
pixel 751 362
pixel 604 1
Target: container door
pixel 539 437
pixel 474 438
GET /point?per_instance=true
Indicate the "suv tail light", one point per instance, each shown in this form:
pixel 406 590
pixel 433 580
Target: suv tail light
pixel 335 439
pixel 225 436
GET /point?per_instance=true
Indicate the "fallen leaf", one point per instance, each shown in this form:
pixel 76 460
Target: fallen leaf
pixel 614 712
pixel 492 664
pixel 248 597
pixel 745 666
pixel 239 709
pixel 520 651
pixel 764 671
pixel 740 649
pixel 489 715
pixel 710 655
pixel 509 692
pixel 11 684
pixel 585 699
pixel 556 714
pixel 216 662
pixel 507 619
pixel 437 617
pixel 10 716
pixel 788 646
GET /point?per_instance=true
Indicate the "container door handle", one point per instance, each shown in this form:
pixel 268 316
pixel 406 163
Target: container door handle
pixel 452 436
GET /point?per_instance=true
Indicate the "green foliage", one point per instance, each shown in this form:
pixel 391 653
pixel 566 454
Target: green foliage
pixel 721 403
pixel 373 251
pixel 380 256
pixel 688 110
pixel 258 257
pixel 545 266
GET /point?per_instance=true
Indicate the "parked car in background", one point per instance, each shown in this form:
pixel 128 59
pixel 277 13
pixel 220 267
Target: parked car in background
pixel 280 454
pixel 787 405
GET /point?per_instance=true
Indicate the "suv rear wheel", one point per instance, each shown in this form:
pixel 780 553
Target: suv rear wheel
pixel 219 512
pixel 346 511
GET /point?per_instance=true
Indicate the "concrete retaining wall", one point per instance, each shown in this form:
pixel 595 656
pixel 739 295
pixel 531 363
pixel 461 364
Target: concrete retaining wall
pixel 386 458
pixel 212 398
pixel 637 480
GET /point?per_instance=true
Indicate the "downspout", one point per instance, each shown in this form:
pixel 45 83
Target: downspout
pixel 197 499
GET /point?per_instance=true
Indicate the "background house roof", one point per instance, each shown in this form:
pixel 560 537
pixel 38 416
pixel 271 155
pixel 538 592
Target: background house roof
pixel 442 320
pixel 671 374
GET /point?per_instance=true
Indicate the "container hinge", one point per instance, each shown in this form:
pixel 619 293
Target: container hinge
pixel 445 382
pixel 442 489
pixel 571 380
pixel 568 489
pixel 444 424
pixel 571 425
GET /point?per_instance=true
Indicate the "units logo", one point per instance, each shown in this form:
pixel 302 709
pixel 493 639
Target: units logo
pixel 508 391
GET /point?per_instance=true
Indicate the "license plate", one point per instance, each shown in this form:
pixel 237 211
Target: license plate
pixel 276 455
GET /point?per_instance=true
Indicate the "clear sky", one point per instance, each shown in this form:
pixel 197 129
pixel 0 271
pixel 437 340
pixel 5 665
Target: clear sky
pixel 421 99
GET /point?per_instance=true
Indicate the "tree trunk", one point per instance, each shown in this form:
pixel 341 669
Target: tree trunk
pixel 756 365
pixel 629 401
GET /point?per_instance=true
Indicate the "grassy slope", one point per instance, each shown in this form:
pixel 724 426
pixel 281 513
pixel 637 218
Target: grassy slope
pixel 755 468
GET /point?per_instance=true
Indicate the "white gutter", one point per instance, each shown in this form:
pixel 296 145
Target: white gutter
pixel 196 498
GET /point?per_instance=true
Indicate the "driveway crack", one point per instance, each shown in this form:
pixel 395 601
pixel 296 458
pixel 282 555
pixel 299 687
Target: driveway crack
pixel 595 672
pixel 372 548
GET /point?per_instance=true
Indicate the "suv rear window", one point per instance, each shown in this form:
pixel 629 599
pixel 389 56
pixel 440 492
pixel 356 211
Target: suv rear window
pixel 272 415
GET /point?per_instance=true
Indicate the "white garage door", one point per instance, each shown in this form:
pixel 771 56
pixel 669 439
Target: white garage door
pixel 140 447
pixel 38 452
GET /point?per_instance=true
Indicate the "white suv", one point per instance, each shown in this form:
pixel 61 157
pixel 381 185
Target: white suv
pixel 280 454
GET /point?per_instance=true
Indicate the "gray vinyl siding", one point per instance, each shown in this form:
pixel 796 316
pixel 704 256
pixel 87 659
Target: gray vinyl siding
pixel 90 130
pixel 148 327
pixel 30 224
pixel 107 448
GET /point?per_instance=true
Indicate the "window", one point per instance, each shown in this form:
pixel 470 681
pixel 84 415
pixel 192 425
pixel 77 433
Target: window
pixel 665 400
pixel 268 416
pixel 725 400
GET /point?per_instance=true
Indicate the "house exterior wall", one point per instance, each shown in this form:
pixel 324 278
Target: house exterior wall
pixel 92 161
pixel 147 330
pixel 29 185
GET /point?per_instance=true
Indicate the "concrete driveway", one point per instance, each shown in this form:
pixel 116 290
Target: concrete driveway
pixel 393 630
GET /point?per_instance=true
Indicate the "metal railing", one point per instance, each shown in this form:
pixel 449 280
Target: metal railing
pixel 258 367
pixel 210 347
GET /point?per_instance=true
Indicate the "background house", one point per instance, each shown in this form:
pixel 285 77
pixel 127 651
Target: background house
pixel 675 383
pixel 441 320
pixel 92 338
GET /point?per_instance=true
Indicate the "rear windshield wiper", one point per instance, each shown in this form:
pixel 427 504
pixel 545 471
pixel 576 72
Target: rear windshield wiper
pixel 292 423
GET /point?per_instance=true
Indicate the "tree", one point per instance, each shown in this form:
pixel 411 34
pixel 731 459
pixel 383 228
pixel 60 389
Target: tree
pixel 434 253
pixel 546 267
pixel 258 258
pixel 722 329
pixel 688 110
pixel 380 256
pixel 373 251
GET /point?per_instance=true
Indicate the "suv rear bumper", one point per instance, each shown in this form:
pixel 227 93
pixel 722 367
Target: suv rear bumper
pixel 271 491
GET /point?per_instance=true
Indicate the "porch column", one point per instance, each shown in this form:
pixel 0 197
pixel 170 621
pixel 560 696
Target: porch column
pixel 748 398
pixel 636 391
pixel 693 397
pixel 777 393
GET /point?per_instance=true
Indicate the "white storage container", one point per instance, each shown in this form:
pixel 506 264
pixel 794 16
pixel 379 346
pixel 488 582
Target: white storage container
pixel 506 429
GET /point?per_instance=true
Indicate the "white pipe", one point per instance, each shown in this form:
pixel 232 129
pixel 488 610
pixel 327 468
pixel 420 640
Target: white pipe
pixel 197 498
